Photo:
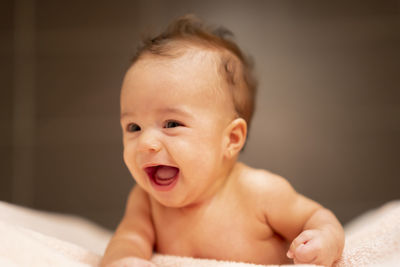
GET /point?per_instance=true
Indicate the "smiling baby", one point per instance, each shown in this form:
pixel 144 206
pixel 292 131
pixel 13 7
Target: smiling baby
pixel 186 105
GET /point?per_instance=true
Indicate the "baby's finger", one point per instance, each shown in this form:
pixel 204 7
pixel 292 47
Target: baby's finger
pixel 307 253
pixel 303 238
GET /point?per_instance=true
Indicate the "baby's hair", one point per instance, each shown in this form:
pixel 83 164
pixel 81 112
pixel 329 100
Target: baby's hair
pixel 236 68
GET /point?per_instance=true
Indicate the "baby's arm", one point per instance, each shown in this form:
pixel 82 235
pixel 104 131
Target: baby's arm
pixel 317 235
pixel 133 241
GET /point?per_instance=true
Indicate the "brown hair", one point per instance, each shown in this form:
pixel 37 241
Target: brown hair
pixel 235 67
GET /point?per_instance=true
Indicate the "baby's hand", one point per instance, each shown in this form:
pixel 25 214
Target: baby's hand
pixel 313 247
pixel 131 262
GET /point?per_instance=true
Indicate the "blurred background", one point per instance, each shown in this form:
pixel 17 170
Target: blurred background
pixel 328 108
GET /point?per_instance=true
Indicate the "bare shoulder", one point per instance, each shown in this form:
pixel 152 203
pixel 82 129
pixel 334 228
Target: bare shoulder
pixel 264 192
pixel 285 210
pixel 138 201
pixel 263 184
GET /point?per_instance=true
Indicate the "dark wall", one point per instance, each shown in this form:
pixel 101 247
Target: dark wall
pixel 327 114
pixel 6 98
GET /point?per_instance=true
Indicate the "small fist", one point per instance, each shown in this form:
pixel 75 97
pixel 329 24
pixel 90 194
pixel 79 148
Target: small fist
pixel 132 262
pixel 311 247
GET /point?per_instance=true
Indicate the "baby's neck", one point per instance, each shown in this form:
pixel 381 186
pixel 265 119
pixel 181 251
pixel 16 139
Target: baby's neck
pixel 220 189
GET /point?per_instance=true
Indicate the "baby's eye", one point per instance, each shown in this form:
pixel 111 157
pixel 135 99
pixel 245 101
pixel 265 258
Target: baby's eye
pixel 172 124
pixel 133 127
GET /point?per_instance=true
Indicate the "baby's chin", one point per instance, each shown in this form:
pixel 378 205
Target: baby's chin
pixel 175 201
pixel 169 202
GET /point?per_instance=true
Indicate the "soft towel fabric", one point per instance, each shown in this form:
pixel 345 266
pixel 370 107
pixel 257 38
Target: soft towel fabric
pixel 174 261
pixel 372 240
pixel 69 228
pixel 23 247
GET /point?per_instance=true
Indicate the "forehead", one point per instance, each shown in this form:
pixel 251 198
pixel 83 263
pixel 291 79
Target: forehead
pixel 193 78
pixel 200 66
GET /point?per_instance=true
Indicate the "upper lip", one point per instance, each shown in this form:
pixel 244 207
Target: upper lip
pixel 147 165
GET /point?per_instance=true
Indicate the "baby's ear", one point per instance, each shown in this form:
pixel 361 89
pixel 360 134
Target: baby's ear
pixel 236 133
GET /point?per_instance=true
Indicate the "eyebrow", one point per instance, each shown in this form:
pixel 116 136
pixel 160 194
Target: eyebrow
pixel 178 111
pixel 125 114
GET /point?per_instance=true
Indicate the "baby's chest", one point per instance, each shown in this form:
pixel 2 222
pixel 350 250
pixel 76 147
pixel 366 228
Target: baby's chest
pixel 180 236
pixel 225 236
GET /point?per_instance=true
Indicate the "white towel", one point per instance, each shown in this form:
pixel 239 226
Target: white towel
pixel 373 240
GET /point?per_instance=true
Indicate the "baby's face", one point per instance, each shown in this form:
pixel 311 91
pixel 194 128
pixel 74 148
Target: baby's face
pixel 174 114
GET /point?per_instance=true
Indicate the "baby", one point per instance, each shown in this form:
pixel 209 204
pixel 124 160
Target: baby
pixel 186 105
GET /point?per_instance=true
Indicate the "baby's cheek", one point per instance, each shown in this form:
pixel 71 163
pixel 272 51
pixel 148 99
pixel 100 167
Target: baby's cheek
pixel 204 158
pixel 127 157
pixel 196 154
pixel 129 160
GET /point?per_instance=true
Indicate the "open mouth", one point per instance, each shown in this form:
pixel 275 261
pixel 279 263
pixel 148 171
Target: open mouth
pixel 162 175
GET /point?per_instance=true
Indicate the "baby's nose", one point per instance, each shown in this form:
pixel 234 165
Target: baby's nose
pixel 149 142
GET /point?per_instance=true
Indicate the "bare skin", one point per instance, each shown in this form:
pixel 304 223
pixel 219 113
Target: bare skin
pixel 217 207
pixel 239 218
pixel 247 238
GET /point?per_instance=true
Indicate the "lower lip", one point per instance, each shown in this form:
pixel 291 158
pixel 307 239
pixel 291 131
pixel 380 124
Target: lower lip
pixel 167 187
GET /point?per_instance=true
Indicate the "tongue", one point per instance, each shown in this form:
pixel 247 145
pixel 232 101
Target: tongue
pixel 165 174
